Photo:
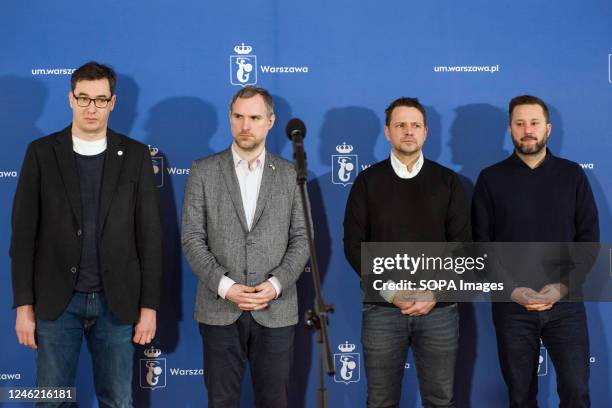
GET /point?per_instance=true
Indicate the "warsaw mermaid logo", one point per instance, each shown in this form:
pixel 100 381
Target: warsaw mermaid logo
pixel 344 165
pixel 152 369
pixel 347 364
pixel 243 66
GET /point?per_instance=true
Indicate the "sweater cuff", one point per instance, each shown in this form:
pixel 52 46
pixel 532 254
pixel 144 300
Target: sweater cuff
pixel 388 295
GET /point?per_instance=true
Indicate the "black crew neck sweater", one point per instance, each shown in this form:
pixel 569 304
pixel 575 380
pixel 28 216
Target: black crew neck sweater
pixel 382 207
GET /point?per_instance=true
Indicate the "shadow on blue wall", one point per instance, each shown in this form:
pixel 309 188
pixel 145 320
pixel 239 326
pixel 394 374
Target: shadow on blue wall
pixel 476 141
pixel 601 381
pixel 433 144
pixel 359 127
pixel 124 115
pixel 22 101
pixel 170 126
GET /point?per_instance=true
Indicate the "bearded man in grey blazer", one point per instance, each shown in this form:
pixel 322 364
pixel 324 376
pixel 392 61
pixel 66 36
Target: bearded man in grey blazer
pixel 244 235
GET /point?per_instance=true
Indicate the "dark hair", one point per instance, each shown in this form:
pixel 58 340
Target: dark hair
pixel 527 100
pixel 92 71
pixel 251 91
pixel 408 102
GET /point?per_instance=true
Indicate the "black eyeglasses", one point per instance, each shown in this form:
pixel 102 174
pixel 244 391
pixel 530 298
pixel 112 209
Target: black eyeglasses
pixel 85 101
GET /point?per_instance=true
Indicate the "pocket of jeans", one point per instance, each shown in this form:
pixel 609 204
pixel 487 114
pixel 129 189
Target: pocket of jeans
pixel 366 307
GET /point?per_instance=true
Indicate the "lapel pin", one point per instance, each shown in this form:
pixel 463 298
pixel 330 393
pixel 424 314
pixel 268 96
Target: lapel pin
pixel 271 166
pixel 120 153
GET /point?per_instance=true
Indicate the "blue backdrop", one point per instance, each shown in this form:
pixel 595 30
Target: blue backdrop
pixel 335 64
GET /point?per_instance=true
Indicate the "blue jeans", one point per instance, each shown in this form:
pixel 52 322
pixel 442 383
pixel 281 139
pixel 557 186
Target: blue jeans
pixel 563 330
pixel 109 342
pixel 386 336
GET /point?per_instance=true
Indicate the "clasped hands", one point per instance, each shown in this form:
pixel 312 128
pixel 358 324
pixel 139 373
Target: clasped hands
pixel 414 302
pixel 251 298
pixel 539 301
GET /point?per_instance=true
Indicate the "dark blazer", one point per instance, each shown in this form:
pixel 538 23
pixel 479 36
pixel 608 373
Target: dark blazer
pixel 47 236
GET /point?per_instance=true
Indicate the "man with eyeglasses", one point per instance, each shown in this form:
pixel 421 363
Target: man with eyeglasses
pixel 407 198
pixel 86 245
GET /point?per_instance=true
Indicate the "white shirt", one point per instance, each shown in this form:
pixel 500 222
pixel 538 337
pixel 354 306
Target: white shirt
pixel 249 180
pixel 88 147
pixel 402 170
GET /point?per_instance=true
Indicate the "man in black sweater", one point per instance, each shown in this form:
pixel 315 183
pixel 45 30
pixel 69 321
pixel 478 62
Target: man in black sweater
pixel 407 198
pixel 533 196
pixel 86 245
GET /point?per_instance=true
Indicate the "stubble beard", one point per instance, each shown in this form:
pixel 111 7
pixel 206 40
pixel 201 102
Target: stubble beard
pixel 248 145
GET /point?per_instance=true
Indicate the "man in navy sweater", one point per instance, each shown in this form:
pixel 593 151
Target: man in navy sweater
pixel 407 198
pixel 533 196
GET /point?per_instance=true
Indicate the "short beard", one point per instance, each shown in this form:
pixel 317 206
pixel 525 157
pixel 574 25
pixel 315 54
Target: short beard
pixel 535 149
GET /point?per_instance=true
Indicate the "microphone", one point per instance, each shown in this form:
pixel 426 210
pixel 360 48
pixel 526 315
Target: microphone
pixel 295 127
pixel 296 130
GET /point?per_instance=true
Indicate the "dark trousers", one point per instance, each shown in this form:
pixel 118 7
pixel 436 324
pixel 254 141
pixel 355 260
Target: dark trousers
pixel 269 352
pixel 563 330
pixel 386 335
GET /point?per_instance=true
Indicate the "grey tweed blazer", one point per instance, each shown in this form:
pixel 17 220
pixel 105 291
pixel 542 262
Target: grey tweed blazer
pixel 217 242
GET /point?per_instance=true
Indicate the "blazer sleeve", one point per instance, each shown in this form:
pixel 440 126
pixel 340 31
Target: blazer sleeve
pixel 298 249
pixel 24 225
pixel 194 237
pixel 148 235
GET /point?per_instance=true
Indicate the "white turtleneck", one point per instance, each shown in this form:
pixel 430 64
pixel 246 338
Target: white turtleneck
pixel 87 147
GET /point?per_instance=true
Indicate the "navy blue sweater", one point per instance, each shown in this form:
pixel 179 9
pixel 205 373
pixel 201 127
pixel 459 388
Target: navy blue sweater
pixel 91 169
pixel 552 203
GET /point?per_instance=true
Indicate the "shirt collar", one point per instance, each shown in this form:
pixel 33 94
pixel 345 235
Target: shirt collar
pixel 402 171
pixel 257 163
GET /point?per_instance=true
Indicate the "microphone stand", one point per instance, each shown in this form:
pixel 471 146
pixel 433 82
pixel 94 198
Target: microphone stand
pixel 316 319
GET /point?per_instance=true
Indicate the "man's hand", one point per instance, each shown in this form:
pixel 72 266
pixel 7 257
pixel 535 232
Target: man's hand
pixel 414 303
pixel 260 298
pixel 403 299
pixel 530 299
pixel 144 332
pixel 549 295
pixel 25 325
pixel 241 295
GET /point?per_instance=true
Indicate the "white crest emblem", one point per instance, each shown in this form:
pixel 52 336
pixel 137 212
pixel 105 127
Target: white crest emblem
pixel 344 165
pixel 347 364
pixel 152 369
pixel 243 66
